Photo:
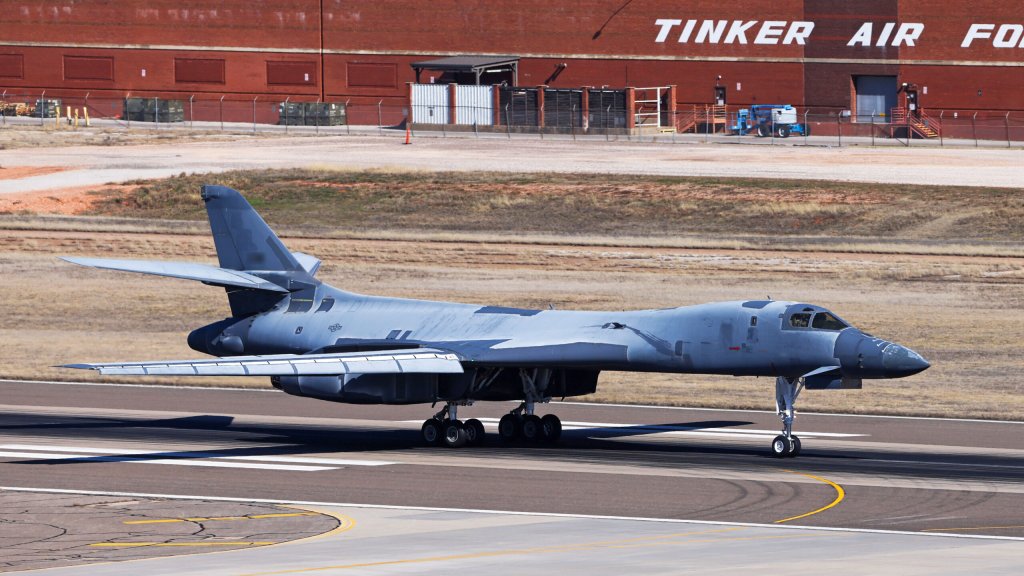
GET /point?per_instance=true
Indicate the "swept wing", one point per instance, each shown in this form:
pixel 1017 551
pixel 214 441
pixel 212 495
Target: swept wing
pixel 420 360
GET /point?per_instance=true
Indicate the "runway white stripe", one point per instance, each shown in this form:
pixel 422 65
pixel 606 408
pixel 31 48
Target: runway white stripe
pixel 172 461
pixel 180 458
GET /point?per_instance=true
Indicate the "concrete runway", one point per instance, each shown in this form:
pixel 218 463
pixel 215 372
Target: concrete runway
pixel 907 495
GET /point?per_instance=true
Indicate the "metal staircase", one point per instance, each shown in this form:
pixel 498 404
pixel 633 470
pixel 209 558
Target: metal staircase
pixel 921 124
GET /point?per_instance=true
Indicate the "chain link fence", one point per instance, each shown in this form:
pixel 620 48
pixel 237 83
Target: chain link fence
pixel 516 113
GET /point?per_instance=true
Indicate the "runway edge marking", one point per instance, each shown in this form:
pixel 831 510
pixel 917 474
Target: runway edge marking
pixel 298 503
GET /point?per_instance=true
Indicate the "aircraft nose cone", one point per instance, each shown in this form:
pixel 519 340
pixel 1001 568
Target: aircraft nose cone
pixel 899 361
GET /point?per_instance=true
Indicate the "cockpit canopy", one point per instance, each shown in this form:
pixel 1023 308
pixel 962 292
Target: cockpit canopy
pixel 809 317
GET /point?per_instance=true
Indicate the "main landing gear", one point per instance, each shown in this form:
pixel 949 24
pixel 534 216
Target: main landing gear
pixel 519 424
pixel 445 428
pixel 786 392
pixel 522 423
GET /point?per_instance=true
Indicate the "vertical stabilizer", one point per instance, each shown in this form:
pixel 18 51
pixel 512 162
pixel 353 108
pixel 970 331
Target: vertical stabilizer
pixel 243 239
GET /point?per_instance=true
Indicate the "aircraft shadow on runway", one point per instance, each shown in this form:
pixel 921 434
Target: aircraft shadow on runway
pixel 598 444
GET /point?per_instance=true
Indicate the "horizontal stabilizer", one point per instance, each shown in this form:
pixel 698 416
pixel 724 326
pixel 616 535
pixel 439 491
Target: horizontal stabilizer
pixel 183 270
pixel 421 360
pixel 309 263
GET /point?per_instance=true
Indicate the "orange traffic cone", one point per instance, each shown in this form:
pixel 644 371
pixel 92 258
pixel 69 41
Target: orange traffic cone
pixel 408 134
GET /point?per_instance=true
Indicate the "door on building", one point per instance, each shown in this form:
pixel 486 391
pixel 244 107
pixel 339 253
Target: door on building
pixel 876 97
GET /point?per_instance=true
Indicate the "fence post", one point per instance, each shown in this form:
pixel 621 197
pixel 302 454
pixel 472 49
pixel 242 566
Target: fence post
pixel 254 114
pixel 127 116
pixel 285 110
pixel 156 113
pixel 222 113
pixel 541 120
pixel 316 116
pixel 839 126
pixel 806 125
pixel 942 143
pixel 348 125
pixel 1006 121
pixel 607 113
pixel 572 122
pixel 42 102
pixel 191 112
pixel 707 123
pixel 974 128
pixel 872 130
pixel 4 99
pixel 380 129
pixel 508 123
pixel 85 108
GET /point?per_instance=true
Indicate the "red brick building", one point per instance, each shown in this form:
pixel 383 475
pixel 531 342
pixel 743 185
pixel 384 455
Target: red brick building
pixel 811 53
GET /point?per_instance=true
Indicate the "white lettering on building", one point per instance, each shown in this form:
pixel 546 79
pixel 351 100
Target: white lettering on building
pixel 711 31
pixel 1006 36
pixel 769 32
pixel 907 35
pixel 977 32
pixel 775 32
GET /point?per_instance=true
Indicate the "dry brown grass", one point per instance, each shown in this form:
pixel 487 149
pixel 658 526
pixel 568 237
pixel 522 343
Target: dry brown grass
pixel 963 313
pixel 597 205
pixel 49 136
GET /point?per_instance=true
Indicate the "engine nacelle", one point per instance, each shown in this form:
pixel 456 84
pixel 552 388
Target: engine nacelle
pixel 376 388
pixel 224 338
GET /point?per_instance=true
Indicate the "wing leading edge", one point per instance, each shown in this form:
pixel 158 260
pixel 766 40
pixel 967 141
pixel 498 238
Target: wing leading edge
pixel 183 270
pixel 422 360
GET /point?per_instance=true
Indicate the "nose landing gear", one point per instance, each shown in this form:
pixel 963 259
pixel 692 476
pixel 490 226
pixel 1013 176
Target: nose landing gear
pixel 786 445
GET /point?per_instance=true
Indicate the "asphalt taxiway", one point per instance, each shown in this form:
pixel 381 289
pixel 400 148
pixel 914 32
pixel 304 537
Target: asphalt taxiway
pixel 628 486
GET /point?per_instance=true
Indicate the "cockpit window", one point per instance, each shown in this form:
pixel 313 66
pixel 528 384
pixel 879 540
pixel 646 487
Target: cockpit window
pixel 800 320
pixel 826 321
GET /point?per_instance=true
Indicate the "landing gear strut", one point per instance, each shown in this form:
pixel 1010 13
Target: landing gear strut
pixel 786 392
pixel 445 428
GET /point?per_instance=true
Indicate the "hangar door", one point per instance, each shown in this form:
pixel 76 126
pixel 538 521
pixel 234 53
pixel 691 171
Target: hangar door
pixel 876 97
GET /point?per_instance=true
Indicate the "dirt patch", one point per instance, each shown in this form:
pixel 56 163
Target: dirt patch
pixel 66 201
pixel 16 172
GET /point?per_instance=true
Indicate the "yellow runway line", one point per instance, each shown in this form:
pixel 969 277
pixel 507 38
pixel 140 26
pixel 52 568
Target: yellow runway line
pixel 840 494
pixel 220 518
pixel 176 544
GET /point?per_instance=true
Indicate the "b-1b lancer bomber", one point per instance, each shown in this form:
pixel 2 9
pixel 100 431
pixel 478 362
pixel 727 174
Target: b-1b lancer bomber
pixel 317 341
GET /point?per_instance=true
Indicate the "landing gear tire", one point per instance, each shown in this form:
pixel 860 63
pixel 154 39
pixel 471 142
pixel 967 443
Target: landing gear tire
pixel 551 428
pixel 781 447
pixel 795 447
pixel 431 432
pixel 509 427
pixel 474 432
pixel 532 430
pixel 454 434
